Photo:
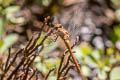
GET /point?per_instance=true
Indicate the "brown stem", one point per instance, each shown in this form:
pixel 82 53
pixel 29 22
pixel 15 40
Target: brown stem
pixel 49 73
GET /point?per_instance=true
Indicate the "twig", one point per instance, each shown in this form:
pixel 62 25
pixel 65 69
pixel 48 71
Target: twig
pixel 66 65
pixel 61 62
pixel 7 68
pixel 26 73
pixel 8 58
pixel 68 70
pixel 49 73
pixel 32 74
pixel 15 70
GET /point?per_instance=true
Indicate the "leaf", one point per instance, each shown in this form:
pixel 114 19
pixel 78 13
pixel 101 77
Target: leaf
pixel 46 2
pixel 58 63
pixel 1 43
pixel 47 41
pixel 102 75
pixel 50 63
pixel 2 25
pixel 116 2
pixel 11 9
pixel 91 61
pixel 106 68
pixel 1 1
pixel 117 13
pixel 41 67
pixel 115 74
pixel 78 54
pixel 8 41
pixel 86 70
pixel 37 59
pixel 114 37
pixel 97 54
pixel 49 48
pixel 43 2
pixel 117 31
pixel 16 20
pixel 52 78
pixel 86 50
pixel 7 2
pixel 110 51
pixel 38 1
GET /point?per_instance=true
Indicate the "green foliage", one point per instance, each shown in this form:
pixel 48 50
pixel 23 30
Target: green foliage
pixel 118 14
pixel 6 3
pixel 7 12
pixel 7 42
pixel 102 75
pixel 115 74
pixel 42 62
pixel 116 3
pixel 115 34
pixel 43 2
pixel 86 70
pixel 96 58
pixel 2 25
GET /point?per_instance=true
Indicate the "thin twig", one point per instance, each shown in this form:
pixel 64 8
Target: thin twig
pixel 15 70
pixel 49 73
pixel 8 58
pixel 32 74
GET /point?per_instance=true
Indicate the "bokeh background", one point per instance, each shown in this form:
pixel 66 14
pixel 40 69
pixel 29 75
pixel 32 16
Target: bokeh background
pixel 95 22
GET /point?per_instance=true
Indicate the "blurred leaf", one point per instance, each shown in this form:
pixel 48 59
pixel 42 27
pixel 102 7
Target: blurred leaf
pixel 78 54
pixel 97 54
pixel 102 75
pixel 41 67
pixel 50 63
pixel 47 41
pixel 117 31
pixel 58 63
pixel 1 1
pixel 115 74
pixel 49 48
pixel 110 51
pixel 39 1
pixel 55 9
pixel 112 60
pixel 106 68
pixel 117 13
pixel 1 9
pixel 116 2
pixel 7 2
pixel 38 66
pixel 16 20
pixel 11 9
pixel 43 2
pixel 86 49
pixel 2 26
pixel 106 61
pixel 115 34
pixel 91 61
pixel 117 56
pixel 37 59
pixel 52 78
pixel 8 41
pixel 86 70
pixel 1 43
pixel 114 37
pixel 46 2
